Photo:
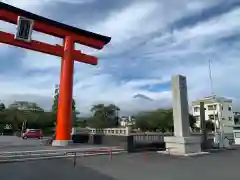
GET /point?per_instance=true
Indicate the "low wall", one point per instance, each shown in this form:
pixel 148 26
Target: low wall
pixel 132 142
pixel 122 141
pixel 80 138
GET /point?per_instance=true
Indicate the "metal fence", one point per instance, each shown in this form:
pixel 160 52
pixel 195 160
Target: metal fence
pixel 159 137
pixel 148 137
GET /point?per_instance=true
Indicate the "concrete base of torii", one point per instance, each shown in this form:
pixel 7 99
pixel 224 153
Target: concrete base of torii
pixel 61 142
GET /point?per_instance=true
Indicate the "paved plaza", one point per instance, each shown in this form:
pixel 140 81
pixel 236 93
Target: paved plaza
pixel 12 141
pixel 139 166
pixel 13 144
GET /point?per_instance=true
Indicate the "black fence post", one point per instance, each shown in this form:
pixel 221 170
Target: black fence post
pixel 130 144
pixel 75 159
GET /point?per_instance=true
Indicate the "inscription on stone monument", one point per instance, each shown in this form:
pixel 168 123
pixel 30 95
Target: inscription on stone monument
pixel 183 83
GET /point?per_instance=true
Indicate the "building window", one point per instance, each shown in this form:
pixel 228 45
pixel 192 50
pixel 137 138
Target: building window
pixel 212 107
pixel 229 108
pixel 196 109
pixel 211 116
pixel 237 134
pixel 230 118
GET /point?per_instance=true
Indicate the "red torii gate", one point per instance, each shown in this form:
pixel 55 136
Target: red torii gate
pixel 71 35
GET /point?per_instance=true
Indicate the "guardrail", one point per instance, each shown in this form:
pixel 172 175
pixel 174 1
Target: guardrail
pixel 19 156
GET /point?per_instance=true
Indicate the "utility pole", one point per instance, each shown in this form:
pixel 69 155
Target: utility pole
pixel 217 139
pixel 213 96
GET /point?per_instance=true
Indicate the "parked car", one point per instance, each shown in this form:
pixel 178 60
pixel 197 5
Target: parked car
pixel 33 133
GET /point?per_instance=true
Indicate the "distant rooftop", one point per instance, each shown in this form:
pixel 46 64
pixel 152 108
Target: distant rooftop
pixel 212 99
pixel 25 105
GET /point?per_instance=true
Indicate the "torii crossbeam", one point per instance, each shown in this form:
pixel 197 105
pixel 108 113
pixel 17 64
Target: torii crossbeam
pixel 27 22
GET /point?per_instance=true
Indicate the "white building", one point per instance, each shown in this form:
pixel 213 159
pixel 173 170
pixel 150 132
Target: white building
pixel 127 121
pixel 220 107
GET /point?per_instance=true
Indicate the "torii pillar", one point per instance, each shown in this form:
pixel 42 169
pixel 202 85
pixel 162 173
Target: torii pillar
pixel 26 22
pixel 64 113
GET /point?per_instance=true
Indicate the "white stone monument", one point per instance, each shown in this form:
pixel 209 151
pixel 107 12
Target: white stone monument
pixel 182 143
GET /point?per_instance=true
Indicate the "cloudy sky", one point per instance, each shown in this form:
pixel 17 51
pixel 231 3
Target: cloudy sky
pixel 151 41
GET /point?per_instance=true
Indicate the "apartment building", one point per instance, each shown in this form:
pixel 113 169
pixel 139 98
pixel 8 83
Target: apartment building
pixel 219 107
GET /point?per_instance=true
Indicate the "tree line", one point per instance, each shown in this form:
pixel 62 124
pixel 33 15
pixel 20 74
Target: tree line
pixel 106 116
pixel 103 116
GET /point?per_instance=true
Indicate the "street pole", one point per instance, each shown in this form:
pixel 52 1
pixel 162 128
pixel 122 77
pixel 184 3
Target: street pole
pixel 217 140
pixel 213 96
pixel 221 126
pixel 203 126
pixel 216 137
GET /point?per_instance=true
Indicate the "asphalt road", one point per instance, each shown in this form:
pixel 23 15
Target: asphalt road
pixel 49 169
pixel 139 166
pixel 7 141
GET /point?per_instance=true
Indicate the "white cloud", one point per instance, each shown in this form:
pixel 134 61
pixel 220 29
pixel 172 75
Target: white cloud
pixel 128 22
pixel 35 5
pixel 219 26
pixel 95 83
pixel 75 1
pixel 195 38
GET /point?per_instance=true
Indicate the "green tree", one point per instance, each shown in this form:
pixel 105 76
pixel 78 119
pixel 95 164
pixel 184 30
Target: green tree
pixel 104 116
pixel 2 121
pixel 2 107
pixel 141 122
pixel 13 117
pixel 2 128
pixel 161 119
pixel 55 106
pixel 81 123
pixel 155 120
pixel 19 119
pixel 40 120
pixel 55 100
